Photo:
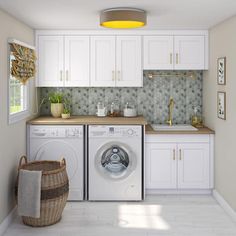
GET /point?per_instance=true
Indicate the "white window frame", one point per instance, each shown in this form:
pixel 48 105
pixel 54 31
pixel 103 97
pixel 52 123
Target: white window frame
pixel 21 115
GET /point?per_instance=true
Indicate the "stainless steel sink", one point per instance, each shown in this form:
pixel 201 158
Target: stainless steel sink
pixel 180 127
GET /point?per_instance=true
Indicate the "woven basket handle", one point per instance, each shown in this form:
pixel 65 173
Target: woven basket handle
pixel 21 160
pixel 63 162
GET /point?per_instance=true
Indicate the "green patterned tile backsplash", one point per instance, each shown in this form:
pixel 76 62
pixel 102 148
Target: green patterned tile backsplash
pixel 151 100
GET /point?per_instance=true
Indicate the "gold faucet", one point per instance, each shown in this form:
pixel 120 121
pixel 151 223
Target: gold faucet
pixel 170 115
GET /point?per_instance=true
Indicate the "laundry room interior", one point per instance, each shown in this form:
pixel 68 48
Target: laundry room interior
pixel 117 118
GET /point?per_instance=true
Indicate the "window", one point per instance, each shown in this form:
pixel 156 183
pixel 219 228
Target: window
pixel 18 99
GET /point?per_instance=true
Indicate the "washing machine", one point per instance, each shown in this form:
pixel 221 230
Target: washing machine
pixel 115 163
pixel 53 142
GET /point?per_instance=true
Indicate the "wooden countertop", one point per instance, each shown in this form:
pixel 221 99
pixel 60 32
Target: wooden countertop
pixel 204 130
pixel 94 120
pixel 88 120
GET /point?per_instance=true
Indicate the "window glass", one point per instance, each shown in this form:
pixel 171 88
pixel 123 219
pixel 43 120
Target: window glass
pixel 18 96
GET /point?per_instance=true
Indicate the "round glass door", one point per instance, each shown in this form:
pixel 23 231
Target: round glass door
pixel 115 161
pixel 55 150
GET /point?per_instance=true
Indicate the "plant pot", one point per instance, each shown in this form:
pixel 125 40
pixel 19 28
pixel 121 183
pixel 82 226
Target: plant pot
pixel 56 109
pixel 65 115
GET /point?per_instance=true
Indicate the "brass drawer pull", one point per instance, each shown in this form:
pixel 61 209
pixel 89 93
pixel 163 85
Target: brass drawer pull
pixel 113 75
pixel 180 154
pixel 118 75
pixel 60 75
pixel 177 58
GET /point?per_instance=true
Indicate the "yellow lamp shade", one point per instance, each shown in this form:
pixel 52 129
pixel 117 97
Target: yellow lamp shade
pixel 123 18
pixel 122 24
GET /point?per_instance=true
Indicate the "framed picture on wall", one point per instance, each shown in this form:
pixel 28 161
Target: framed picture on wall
pixel 221 70
pixel 221 105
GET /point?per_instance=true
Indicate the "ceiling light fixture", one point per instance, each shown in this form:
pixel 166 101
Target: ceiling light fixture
pixel 123 18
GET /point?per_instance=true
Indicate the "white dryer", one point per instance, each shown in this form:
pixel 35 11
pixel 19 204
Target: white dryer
pixel 115 163
pixel 52 142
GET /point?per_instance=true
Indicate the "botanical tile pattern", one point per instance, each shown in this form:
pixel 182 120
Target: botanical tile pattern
pixel 151 100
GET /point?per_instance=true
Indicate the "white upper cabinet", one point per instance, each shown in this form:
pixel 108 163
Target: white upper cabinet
pixel 103 66
pixel 158 52
pixel 63 61
pixel 189 52
pixel 128 61
pixel 186 52
pixel 93 58
pixel 76 61
pixel 50 61
pixel 116 61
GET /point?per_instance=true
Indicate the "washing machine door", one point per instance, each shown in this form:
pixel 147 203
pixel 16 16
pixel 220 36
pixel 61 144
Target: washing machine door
pixel 55 150
pixel 115 161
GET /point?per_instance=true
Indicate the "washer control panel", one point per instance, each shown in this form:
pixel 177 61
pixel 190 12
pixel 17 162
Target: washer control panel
pixel 115 131
pixel 54 131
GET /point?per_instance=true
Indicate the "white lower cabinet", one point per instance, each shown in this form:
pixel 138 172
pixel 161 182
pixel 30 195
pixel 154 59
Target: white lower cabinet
pixel 193 165
pixel 177 162
pixel 161 165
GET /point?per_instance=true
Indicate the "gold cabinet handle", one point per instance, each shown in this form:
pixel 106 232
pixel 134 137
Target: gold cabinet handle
pixel 171 58
pixel 118 75
pixel 174 154
pixel 61 75
pixel 180 154
pixel 113 75
pixel 177 58
pixel 67 75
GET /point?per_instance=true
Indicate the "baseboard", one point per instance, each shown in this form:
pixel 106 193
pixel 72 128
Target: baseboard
pixel 225 205
pixel 179 191
pixel 7 221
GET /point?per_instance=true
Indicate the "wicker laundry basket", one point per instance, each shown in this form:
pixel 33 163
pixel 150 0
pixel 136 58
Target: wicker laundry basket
pixel 54 190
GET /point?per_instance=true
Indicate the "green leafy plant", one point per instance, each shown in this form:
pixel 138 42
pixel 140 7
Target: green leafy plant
pixel 66 106
pixel 66 111
pixel 56 97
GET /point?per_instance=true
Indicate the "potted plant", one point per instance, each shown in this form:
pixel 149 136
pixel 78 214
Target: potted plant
pixel 56 100
pixel 66 112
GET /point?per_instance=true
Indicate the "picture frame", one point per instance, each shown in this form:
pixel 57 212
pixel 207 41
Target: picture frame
pixel 221 71
pixel 221 105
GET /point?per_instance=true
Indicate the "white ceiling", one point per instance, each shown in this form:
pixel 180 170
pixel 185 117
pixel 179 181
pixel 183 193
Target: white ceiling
pixel 84 14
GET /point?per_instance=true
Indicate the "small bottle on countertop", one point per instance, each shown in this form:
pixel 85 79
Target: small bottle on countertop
pixel 197 120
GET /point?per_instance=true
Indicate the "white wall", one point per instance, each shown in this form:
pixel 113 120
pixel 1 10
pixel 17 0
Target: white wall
pixel 223 43
pixel 12 137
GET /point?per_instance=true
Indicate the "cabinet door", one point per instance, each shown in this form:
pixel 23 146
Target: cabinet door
pixel 158 52
pixel 189 52
pixel 103 61
pixel 193 166
pixel 128 61
pixel 50 61
pixel 76 61
pixel 161 166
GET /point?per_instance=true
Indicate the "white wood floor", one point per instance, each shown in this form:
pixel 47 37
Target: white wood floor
pixel 156 216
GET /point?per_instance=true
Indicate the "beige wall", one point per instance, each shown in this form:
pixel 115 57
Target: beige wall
pixel 223 43
pixel 12 137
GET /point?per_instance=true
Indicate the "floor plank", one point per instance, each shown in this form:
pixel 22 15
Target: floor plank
pixel 163 215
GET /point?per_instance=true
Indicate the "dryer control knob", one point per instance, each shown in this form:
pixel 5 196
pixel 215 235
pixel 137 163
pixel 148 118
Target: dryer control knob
pixel 130 132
